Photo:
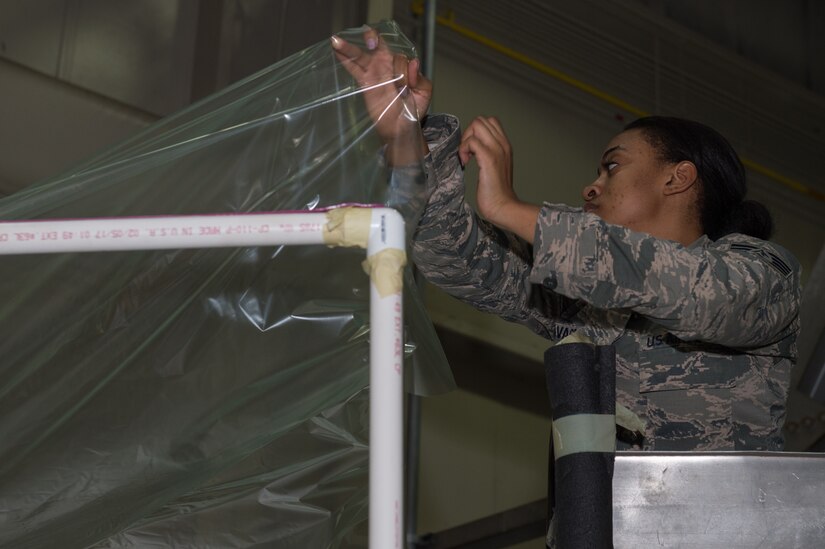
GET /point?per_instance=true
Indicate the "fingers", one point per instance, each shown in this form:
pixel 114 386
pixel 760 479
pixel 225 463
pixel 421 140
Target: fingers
pixel 372 40
pixel 371 67
pixel 418 82
pixel 494 127
pixel 345 50
pixel 489 130
pixel 465 148
pixel 375 63
pixel 400 67
pixel 485 139
pixel 412 72
pixel 380 64
pixel 474 142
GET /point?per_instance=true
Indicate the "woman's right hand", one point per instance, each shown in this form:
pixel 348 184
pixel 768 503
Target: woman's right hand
pixel 387 78
pixel 485 141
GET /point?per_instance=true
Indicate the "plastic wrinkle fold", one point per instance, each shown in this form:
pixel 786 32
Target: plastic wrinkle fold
pixel 206 398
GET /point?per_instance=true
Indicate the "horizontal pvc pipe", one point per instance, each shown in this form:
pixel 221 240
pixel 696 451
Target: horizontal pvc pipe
pixel 160 233
pixel 340 226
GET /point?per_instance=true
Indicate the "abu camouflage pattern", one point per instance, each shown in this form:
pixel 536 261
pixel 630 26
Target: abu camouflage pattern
pixel 705 335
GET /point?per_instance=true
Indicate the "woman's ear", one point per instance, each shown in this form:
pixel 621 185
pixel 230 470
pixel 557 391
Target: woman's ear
pixel 683 176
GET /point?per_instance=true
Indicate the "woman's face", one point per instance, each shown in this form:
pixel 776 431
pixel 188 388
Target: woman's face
pixel 627 191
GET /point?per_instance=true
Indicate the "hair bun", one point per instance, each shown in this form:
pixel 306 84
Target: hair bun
pixel 751 218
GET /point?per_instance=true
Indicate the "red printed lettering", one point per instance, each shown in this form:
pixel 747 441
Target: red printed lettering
pixel 51 235
pixel 239 229
pixel 24 236
pixel 210 231
pixel 67 235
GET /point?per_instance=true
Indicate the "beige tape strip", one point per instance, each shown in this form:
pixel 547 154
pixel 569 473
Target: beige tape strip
pixel 347 227
pixel 629 420
pixel 575 337
pixel 386 270
pixel 624 416
pixel 584 433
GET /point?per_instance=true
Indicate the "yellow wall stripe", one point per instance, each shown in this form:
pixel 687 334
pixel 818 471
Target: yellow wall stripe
pixel 449 22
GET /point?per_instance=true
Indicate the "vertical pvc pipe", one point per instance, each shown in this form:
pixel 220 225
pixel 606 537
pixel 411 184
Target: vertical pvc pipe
pixel 386 390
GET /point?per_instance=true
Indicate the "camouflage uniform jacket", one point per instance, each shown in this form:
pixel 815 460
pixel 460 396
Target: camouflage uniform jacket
pixel 705 335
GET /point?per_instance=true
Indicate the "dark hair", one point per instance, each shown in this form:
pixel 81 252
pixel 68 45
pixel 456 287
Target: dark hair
pixel 721 204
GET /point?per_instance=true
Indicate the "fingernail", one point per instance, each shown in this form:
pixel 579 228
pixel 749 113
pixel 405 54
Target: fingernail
pixel 336 42
pixel 371 43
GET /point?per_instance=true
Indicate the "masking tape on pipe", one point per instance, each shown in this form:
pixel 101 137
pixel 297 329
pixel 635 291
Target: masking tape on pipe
pixel 584 433
pixel 386 270
pixel 347 227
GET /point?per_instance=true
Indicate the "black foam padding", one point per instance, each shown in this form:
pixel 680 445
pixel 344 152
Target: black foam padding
pixel 581 379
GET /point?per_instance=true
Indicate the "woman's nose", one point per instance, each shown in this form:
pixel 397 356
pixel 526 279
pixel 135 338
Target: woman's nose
pixel 590 192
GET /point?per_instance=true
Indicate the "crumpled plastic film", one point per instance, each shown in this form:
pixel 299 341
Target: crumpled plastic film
pixel 205 398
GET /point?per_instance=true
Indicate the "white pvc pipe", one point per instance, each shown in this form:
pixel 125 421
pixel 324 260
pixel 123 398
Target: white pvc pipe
pixel 160 233
pixel 386 393
pixel 385 232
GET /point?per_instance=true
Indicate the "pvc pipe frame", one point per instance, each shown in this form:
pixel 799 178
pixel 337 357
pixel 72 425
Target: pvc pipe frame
pixel 379 230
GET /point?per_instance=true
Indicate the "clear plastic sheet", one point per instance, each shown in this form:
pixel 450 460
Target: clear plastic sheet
pixel 205 398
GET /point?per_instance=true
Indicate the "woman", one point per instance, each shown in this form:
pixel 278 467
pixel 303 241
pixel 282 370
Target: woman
pixel 666 261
